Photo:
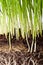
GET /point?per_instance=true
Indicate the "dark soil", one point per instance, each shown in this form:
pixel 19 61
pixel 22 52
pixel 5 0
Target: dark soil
pixel 19 55
pixel 20 58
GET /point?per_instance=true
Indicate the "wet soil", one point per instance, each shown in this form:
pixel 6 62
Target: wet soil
pixel 19 55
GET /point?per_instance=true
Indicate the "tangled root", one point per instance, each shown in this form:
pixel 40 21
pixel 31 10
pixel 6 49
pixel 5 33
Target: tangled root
pixel 17 58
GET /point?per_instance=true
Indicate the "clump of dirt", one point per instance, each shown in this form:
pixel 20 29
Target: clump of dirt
pixel 18 54
pixel 20 58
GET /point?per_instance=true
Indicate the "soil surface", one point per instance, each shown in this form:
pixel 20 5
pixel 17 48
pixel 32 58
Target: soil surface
pixel 19 55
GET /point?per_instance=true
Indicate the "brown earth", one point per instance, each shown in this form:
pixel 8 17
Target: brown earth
pixel 19 55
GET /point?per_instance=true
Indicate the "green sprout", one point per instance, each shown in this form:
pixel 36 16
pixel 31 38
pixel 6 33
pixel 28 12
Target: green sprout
pixel 23 14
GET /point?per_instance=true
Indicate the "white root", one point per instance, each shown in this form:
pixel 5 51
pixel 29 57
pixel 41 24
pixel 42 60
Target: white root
pixel 31 61
pixel 32 46
pixel 35 46
pixel 28 43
